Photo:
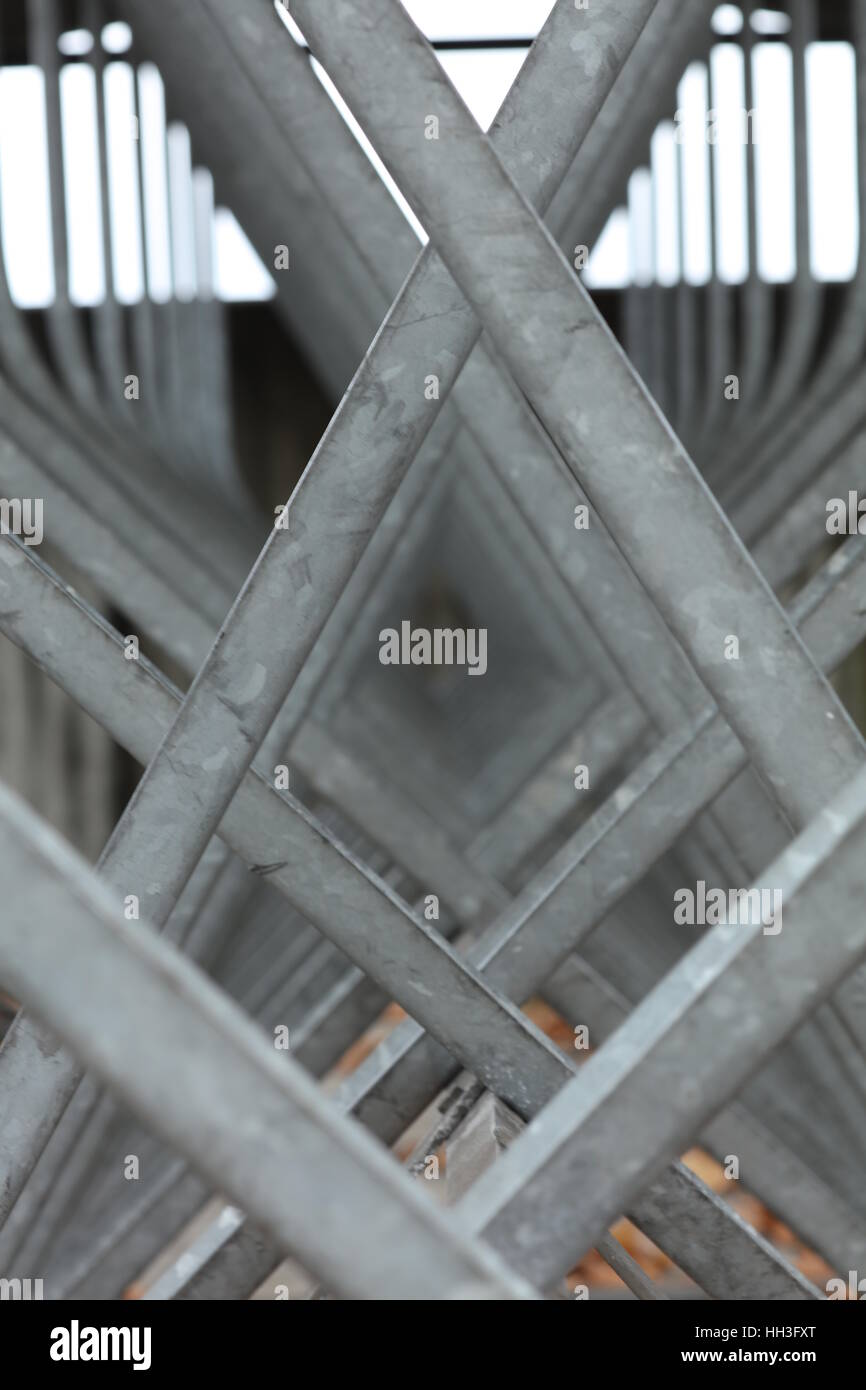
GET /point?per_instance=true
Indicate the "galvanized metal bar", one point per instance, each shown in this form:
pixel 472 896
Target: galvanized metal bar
pixel 642 96
pixel 328 298
pixel 771 1169
pixel 476 1145
pixel 111 564
pixel 804 311
pixel 226 713
pixel 109 331
pixel 606 857
pixel 418 977
pixel 841 626
pixel 45 1198
pixel 97 677
pixel 113 983
pixel 770 985
pixel 242 36
pixel 715 753
pixel 556 340
pixel 791 540
pixel 387 1090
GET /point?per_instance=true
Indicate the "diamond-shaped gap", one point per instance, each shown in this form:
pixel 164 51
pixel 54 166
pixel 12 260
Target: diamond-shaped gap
pixel 462 744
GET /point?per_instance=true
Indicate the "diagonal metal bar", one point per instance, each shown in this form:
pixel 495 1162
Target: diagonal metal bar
pixel 774 1171
pixel 211 1067
pixel 801 809
pixel 46 1194
pixel 787 545
pixel 553 340
pixel 644 94
pixel 332 513
pixel 271 183
pixel 606 857
pixel 679 1201
pixel 405 1072
pixel 110 562
pixel 289 849
pixel 672 677
pixel 632 1096
pixel 57 640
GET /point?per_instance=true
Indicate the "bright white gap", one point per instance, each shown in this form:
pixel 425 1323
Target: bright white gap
pixel 203 219
pixel 691 126
pixel 122 148
pixel 283 14
pixel 483 77
pixel 154 173
pixel 116 37
pixel 461 19
pixel 640 208
pixel 370 152
pixel 727 19
pixel 832 146
pixel 182 212
pixel 238 272
pixel 81 184
pixel 479 19
pixel 771 22
pixel 74 43
pixel 26 228
pixel 663 156
pixel 608 265
pixel 773 75
pixel 732 246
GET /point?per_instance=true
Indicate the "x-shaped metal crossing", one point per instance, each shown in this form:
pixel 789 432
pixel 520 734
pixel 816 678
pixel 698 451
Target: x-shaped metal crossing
pixel 749 770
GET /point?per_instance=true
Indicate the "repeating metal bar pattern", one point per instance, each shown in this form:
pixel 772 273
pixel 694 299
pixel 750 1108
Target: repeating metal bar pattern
pixel 431 848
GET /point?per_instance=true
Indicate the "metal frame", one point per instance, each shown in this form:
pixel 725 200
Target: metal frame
pixel 688 760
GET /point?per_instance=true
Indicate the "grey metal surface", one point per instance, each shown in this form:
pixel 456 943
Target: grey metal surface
pixel 96 949
pixel 430 843
pixel 767 984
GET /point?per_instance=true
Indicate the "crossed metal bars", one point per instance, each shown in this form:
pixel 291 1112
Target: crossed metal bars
pixel 607 1132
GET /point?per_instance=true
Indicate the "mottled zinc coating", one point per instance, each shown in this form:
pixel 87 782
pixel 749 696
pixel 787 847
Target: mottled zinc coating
pixel 612 436
pixel 729 1002
pixel 316 1182
pixel 609 856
